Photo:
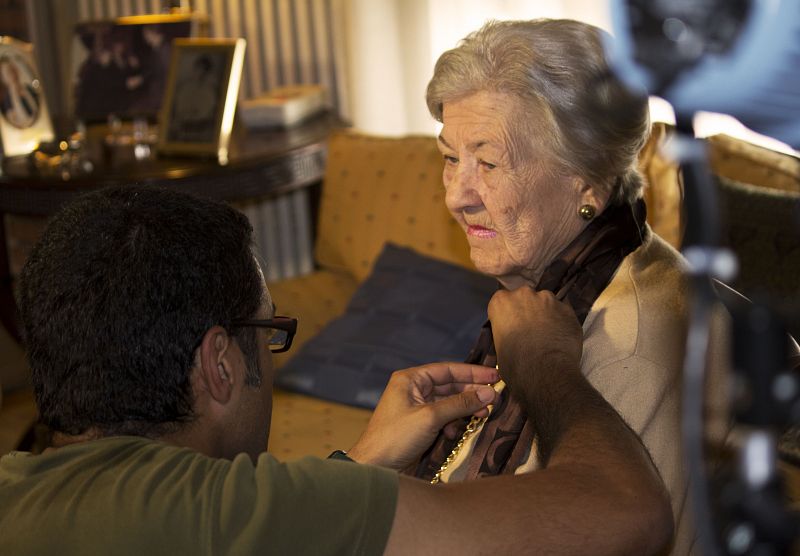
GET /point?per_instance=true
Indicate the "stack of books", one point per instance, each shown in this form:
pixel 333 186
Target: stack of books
pixel 283 107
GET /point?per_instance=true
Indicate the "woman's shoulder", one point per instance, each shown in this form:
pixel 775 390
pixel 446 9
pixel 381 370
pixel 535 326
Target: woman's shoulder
pixel 643 311
pixel 656 255
pixel 652 276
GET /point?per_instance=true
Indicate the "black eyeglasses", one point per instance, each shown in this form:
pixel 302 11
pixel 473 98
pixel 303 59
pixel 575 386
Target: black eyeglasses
pixel 281 331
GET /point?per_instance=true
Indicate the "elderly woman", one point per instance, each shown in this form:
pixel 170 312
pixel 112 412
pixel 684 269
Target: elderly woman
pixel 540 148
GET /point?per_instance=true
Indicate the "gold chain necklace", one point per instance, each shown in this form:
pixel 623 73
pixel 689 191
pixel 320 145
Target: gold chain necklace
pixel 474 424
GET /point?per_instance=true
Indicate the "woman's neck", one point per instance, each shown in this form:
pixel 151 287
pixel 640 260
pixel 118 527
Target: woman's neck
pixel 514 281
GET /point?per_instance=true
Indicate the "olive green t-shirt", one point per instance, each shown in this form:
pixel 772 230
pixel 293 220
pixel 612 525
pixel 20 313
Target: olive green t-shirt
pixel 128 495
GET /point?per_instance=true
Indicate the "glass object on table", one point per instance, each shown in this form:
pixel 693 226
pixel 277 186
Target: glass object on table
pixel 141 139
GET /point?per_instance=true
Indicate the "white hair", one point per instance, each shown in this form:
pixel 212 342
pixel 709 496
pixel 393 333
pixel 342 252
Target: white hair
pixel 573 106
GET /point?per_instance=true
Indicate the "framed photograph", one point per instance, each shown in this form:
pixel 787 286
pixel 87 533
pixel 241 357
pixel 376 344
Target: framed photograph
pixel 24 118
pixel 120 67
pixel 201 97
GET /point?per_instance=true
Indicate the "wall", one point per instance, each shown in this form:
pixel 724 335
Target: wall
pixel 392 47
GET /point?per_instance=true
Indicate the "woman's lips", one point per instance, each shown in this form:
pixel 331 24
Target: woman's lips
pixel 481 232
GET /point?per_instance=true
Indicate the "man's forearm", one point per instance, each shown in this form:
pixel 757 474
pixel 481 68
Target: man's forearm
pixel 606 464
pixel 557 401
pixel 599 494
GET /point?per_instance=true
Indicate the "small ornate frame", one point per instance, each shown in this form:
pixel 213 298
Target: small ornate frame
pixel 201 96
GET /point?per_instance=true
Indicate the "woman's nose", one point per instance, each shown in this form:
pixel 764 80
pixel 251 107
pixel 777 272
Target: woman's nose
pixel 461 189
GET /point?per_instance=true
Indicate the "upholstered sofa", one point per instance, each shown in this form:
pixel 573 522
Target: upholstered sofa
pixel 379 190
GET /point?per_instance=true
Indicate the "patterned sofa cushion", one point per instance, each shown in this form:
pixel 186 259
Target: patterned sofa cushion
pixel 380 189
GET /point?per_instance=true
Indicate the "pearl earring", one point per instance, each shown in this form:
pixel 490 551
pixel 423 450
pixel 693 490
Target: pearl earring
pixel 586 212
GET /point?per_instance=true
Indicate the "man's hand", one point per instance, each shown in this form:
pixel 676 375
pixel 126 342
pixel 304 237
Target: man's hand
pixel 415 406
pixel 534 335
pixel 539 345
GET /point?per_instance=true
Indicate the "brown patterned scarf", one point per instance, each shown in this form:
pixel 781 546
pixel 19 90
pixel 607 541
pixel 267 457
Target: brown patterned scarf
pixel 578 275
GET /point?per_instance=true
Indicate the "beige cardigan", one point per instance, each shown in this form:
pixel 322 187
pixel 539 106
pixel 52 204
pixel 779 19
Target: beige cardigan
pixel 633 352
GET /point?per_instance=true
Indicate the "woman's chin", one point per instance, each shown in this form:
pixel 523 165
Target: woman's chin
pixel 506 274
pixel 489 267
pixel 484 266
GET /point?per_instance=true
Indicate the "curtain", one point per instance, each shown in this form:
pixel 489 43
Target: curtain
pixel 289 42
pixel 392 46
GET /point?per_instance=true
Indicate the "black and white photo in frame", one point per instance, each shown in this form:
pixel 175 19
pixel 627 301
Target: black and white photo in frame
pixel 201 97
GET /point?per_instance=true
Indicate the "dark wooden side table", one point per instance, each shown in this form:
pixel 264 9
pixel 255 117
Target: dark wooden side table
pixel 260 163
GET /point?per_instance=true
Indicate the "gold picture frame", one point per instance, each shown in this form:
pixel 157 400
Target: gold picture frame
pixel 200 101
pixel 24 118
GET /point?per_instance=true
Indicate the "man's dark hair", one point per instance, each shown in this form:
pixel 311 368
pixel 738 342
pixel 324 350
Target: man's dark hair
pixel 116 298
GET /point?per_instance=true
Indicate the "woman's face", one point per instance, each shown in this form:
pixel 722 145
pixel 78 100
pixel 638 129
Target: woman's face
pixel 518 213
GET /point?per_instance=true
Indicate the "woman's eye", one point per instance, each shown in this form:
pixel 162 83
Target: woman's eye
pixel 450 159
pixel 488 165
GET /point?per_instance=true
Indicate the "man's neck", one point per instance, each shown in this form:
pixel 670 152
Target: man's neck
pixel 191 435
pixel 61 439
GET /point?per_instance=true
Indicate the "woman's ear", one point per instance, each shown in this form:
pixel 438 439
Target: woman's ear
pixel 589 194
pixel 216 373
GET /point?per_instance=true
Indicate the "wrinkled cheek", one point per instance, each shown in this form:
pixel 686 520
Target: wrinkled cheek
pixel 519 239
pixel 519 246
pixel 505 218
pixel 508 214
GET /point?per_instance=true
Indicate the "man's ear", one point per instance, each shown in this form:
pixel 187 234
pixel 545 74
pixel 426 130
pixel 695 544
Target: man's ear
pixel 216 371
